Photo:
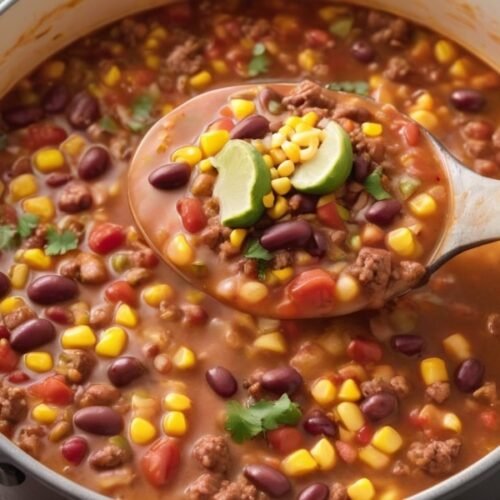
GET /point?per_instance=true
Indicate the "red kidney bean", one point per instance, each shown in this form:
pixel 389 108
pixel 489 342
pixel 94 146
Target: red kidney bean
pixel 123 371
pixel 410 345
pixel 303 203
pixel 192 214
pixel 364 351
pixel 383 212
pixel 4 332
pixel 22 116
pixel 268 480
pixel 221 381
pixel 361 168
pixel 252 127
pixel 170 176
pixel 469 375
pixel 57 179
pixel 317 38
pixel 317 422
pixel 51 289
pixel 32 334
pixel 61 315
pixel 281 380
pixel 83 110
pixel 74 449
pixel 99 420
pixel 363 51
pixel 317 245
pixel 94 163
pixel 4 284
pixel 271 101
pixel 469 100
pixel 316 491
pixel 379 405
pixel 293 234
pixel 55 99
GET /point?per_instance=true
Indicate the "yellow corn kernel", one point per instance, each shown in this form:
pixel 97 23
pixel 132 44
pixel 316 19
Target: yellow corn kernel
pixel 195 296
pixel 268 161
pixel 259 146
pixel 310 152
pixel 126 316
pixel 306 138
pixel 402 241
pixel 152 61
pixel 74 145
pixel 42 206
pixel 19 276
pixel 282 185
pixel 274 342
pixel 151 44
pixel 287 131
pixel 78 337
pixel 112 342
pixel 237 237
pixel 268 200
pixel 349 391
pixel 201 80
pixel 324 391
pixel 292 152
pixel 253 292
pixel 371 129
pixel 190 154
pixel 53 70
pixel 362 489
pixel 175 424
pixel 387 439
pixel 311 118
pixel 220 66
pixel 39 362
pixel 242 108
pixel 277 139
pixel 154 295
pixel 10 304
pixel 374 458
pixel 22 186
pixel 460 69
pixel 179 251
pixel 307 59
pixel 184 358
pixel 424 101
pixel 278 156
pixel 283 275
pixel 425 118
pixel 159 33
pixel 274 173
pixel 304 127
pixel 324 454
pixel 328 14
pixel 81 313
pixel 423 205
pixel 44 414
pixel 206 166
pixel 347 288
pixel 35 258
pixel 112 76
pixel 176 401
pixel 213 141
pixel 48 160
pixel 433 370
pixel 350 415
pixel 142 431
pixel 457 347
pixel 280 208
pixel 445 52
pixel 299 463
pixel 375 81
pixel 452 422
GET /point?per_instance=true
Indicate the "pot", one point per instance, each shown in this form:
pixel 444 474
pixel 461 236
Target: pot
pixel 33 30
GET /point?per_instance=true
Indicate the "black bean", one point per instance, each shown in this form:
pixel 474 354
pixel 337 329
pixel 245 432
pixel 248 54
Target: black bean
pixel 83 110
pixel 4 285
pixel 303 203
pixel 317 422
pixel 293 234
pixel 316 491
pixel 170 176
pixel 55 99
pixel 469 375
pixel 363 51
pixel 32 334
pixel 51 289
pixel 469 100
pixel 361 168
pixel 317 245
pixel 383 212
pixel 99 420
pixel 271 101
pixel 94 163
pixel 221 381
pixel 268 480
pixel 410 345
pixel 252 127
pixel 281 380
pixel 22 116
pixel 379 405
pixel 123 371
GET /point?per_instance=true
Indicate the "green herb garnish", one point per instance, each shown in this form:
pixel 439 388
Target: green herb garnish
pixel 60 243
pixel 27 224
pixel 260 61
pixel 244 423
pixel 355 87
pixel 8 236
pixel 141 113
pixel 108 124
pixel 254 250
pixel 373 185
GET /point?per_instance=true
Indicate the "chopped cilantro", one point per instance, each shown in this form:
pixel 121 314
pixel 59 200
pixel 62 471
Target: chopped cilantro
pixel 373 185
pixel 141 113
pixel 355 87
pixel 60 243
pixel 27 224
pixel 260 61
pixel 261 269
pixel 341 27
pixel 7 237
pixel 3 141
pixel 108 124
pixel 254 250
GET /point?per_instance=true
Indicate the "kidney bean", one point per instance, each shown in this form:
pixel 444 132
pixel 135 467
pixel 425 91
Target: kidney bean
pixel 316 491
pixel 55 99
pixel 285 439
pixel 94 163
pixel 221 381
pixel 271 101
pixel 364 351
pixel 268 480
pixel 106 237
pixel 317 245
pixel 99 420
pixel 123 371
pixel 317 38
pixel 83 110
pixel 170 176
pixel 383 212
pixel 32 334
pixel 469 375
pixel 281 380
pixel 22 116
pixel 74 449
pixel 4 332
pixel 57 179
pixel 61 315
pixel 4 284
pixel 192 214
pixel 410 345
pixel 317 422
pixel 51 289
pixel 361 168
pixel 469 100
pixel 293 234
pixel 379 405
pixel 363 51
pixel 252 127
pixel 303 203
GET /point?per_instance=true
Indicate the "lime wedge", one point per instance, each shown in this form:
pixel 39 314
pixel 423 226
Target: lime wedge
pixel 243 180
pixel 331 166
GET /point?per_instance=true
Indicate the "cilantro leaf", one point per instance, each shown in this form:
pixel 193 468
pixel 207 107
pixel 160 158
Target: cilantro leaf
pixel 355 87
pixel 27 224
pixel 141 113
pixel 261 269
pixel 260 61
pixel 373 185
pixel 254 250
pixel 7 237
pixel 60 243
pixel 108 124
pixel 244 423
pixel 3 141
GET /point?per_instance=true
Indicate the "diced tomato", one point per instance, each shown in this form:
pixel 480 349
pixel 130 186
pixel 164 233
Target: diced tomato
pixel 140 77
pixel 364 351
pixel 8 357
pixel 489 419
pixel 192 215
pixel 114 97
pixel 160 462
pixel 317 38
pixel 214 49
pixel 312 290
pixel 411 133
pixel 226 111
pixel 52 390
pixel 121 291
pixel 346 451
pixel 290 328
pixel 365 434
pixel 4 332
pixel 222 124
pixel 329 215
pixel 40 135
pixel 285 439
pixel 416 419
pixel 18 377
pixel 106 237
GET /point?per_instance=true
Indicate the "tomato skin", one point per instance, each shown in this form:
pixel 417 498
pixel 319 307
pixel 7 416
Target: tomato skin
pixel 489 419
pixel 8 357
pixel 121 291
pixel 192 215
pixel 159 463
pixel 222 124
pixel 285 439
pixel 329 215
pixel 106 237
pixel 52 390
pixel 18 377
pixel 365 434
pixel 40 135
pixel 364 351
pixel 312 290
pixel 411 133
pixel 316 38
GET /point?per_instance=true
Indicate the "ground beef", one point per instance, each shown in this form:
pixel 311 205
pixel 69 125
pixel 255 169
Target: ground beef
pixel 388 29
pixel 75 197
pixel 241 489
pixel 338 492
pixel 438 392
pixel 13 404
pixel 186 58
pixel 78 365
pixel 400 386
pixel 30 439
pixel 400 468
pixel 143 257
pixel 250 268
pixel 397 385
pixel 282 259
pixel 227 250
pixel 98 395
pixel 405 276
pixel 203 185
pixel 101 315
pixel 354 113
pixel 256 29
pixel 86 268
pixel 204 487
pixel 109 457
pixel 435 457
pixel 493 325
pixel 18 317
pixel 487 393
pixel 214 234
pixel 212 452
pixel 397 69
pixel 137 276
pixel 308 95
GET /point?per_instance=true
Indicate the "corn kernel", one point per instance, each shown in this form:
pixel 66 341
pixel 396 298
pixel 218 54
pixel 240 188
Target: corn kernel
pixel 433 370
pixel 349 391
pixel 284 275
pixel 152 61
pixel 402 241
pixel 375 81
pixel 277 139
pixel 242 108
pixel 424 101
pixel 280 208
pixel 237 237
pixel 53 70
pixel 112 342
pixel 44 414
pixel 423 205
pixel 142 431
pixel 154 295
pixel 287 131
pixel 78 337
pixel 220 66
pixel 281 185
pixel 74 145
pixel 112 76
pixel 324 454
pixel 311 118
pixel 195 296
pixel 328 14
pixel 151 44
pixel 159 33
pixel 126 316
pixel 42 206
pixel 452 422
pixel 274 342
pixel 22 186
pixel 307 138
pixel 201 80
pixel 304 127
pixel 206 166
pixel 457 347
pixel 184 358
pixel 268 200
pixel 176 401
pixel 179 251
pixel 19 276
pixel 299 463
pixel 292 152
pixel 253 292
pixel 268 161
pixel 81 313
pixel 362 489
pixel 374 458
pixel 48 160
pixel 213 141
pixel 425 118
pixel 347 288
pixel 460 68
pixel 35 258
pixel 350 415
pixel 445 52
pixel 324 391
pixel 387 439
pixel 10 304
pixel 175 424
pixel 372 129
pixel 39 362
pixel 190 154
pixel 278 156
pixel 274 173
pixel 307 59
